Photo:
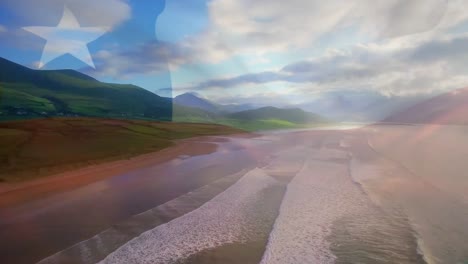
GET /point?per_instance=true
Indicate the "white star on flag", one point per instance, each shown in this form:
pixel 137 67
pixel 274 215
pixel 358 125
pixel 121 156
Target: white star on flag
pixel 68 37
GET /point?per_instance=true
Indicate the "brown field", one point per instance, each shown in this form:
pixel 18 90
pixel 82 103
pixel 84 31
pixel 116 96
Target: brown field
pixel 41 147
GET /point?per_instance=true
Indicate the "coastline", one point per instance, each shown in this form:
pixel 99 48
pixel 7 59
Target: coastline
pixel 48 216
pixel 363 195
pixel 15 193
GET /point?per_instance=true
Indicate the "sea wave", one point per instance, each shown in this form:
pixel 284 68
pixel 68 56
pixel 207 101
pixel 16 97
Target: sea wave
pixel 230 217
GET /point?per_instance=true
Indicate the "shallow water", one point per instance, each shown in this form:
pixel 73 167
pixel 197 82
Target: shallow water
pixel 239 214
pixel 305 197
pixel 98 247
pixel 435 217
pixel 374 237
pixel 327 218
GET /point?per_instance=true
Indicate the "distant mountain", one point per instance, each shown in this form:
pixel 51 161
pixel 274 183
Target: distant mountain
pixel 193 114
pixel 232 108
pixel 29 93
pixel 359 106
pixel 293 115
pixel 196 101
pixel 264 118
pixel 448 108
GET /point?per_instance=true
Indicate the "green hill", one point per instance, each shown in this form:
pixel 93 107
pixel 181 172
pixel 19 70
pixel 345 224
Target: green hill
pixel 194 115
pixel 292 115
pixel 252 120
pixel 31 93
pixel 193 100
pixel 27 93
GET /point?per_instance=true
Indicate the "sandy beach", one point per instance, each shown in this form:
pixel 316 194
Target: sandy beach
pixel 377 194
pixel 36 212
pixel 12 193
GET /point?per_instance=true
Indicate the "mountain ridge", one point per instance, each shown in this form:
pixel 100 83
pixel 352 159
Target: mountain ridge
pixel 293 115
pixel 450 108
pixel 191 99
pixel 30 92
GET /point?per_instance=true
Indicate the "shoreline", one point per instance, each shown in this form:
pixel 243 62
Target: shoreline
pixel 56 213
pixel 120 233
pixel 12 194
pixel 361 177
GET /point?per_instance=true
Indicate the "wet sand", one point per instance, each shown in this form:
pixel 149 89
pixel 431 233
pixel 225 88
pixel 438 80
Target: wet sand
pixel 378 194
pixel 231 228
pixel 420 172
pixel 439 153
pixel 44 217
pixel 98 247
pixel 13 193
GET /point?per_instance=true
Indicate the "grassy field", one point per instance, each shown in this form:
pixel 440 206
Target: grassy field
pixel 258 125
pixel 266 118
pixel 250 125
pixel 39 147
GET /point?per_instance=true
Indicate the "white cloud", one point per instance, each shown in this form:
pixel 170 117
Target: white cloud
pixel 147 58
pixel 255 29
pixel 403 66
pixel 394 18
pixel 398 47
pixel 264 26
pixel 3 29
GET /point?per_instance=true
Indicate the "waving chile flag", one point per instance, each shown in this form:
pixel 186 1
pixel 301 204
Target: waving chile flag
pixel 113 41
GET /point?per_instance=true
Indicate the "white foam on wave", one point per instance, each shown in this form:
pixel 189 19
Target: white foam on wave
pixel 321 193
pixel 227 218
pixel 437 219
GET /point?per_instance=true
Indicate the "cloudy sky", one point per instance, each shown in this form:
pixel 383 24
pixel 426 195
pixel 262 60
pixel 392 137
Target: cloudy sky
pixel 262 50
